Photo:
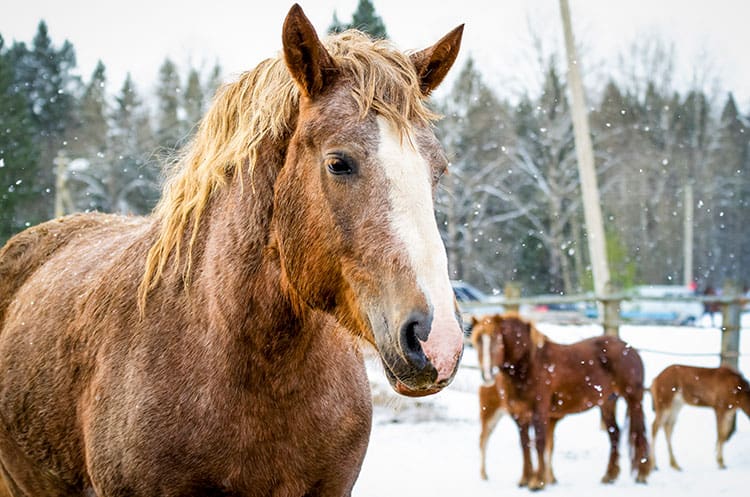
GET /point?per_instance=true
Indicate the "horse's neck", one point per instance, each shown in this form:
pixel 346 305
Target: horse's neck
pixel 237 273
pixel 524 363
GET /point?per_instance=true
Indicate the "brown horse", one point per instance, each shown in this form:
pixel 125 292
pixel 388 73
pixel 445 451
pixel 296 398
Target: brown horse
pixel 213 348
pixel 539 382
pixel 723 389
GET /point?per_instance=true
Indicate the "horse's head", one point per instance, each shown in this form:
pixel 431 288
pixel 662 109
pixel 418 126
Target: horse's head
pixel 353 214
pixel 502 340
pixel 488 342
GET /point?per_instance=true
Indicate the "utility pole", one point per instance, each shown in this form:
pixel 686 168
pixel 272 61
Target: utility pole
pixel 586 168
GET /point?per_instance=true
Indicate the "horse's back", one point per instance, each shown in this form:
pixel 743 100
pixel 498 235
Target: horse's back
pixel 607 354
pixel 698 386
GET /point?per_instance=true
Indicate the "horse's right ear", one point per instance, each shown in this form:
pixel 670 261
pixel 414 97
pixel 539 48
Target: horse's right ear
pixel 310 64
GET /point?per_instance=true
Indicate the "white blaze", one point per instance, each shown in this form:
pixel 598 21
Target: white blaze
pixel 413 222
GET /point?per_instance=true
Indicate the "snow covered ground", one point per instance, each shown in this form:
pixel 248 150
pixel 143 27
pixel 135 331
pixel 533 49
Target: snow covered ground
pixel 429 446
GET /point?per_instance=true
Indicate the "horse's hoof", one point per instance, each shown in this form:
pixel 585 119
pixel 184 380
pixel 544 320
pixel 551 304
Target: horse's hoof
pixel 641 479
pixel 536 485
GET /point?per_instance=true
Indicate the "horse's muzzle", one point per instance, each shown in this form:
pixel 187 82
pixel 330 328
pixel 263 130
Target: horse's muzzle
pixel 426 356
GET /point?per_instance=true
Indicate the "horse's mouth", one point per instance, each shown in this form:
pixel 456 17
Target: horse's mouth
pixel 403 389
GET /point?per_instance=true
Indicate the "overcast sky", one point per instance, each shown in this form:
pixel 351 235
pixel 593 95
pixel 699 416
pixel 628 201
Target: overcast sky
pixel 136 35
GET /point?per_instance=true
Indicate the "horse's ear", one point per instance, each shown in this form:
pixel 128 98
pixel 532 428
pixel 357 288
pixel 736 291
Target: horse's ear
pixel 433 63
pixel 310 64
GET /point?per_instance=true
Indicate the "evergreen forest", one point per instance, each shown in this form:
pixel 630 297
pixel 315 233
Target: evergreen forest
pixel 670 162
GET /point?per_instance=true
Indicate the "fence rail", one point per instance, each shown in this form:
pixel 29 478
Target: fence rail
pixel 730 304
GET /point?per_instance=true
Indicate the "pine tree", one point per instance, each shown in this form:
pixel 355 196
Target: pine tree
pixel 90 182
pixel 470 204
pixel 132 145
pixel 193 102
pixel 92 116
pixel 726 175
pixel 212 85
pixel 336 25
pixel 169 127
pixel 364 19
pixel 18 154
pixel 43 75
pixel 367 20
pixel 545 179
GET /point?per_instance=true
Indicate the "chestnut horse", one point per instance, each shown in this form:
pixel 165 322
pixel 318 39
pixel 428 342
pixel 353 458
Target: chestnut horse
pixel 538 382
pixel 723 389
pixel 213 348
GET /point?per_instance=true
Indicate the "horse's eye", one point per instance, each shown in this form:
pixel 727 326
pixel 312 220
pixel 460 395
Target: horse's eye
pixel 339 165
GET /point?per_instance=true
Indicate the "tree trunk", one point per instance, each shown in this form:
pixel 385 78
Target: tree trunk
pixel 688 234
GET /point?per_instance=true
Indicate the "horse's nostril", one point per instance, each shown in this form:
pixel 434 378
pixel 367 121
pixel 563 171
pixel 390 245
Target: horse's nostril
pixel 416 328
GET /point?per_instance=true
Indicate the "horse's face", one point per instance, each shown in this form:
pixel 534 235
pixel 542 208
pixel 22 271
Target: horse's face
pixel 488 342
pixel 355 226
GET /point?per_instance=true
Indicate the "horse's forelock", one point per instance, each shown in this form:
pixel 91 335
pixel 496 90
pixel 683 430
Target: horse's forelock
pixel 384 79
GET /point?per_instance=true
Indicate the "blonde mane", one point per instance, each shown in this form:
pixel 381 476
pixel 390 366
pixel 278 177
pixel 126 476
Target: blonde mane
pixel 263 104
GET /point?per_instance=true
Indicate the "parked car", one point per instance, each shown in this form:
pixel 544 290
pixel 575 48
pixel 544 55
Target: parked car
pixel 554 311
pixel 474 303
pixel 664 304
pixel 671 305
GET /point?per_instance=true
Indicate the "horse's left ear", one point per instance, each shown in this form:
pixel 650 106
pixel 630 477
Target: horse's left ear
pixel 433 63
pixel 310 64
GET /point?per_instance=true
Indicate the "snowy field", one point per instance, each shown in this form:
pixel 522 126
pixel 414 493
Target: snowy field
pixel 429 446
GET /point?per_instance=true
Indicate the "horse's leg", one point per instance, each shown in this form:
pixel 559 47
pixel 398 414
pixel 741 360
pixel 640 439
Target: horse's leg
pixel 540 419
pixel 658 423
pixel 523 432
pixel 549 477
pixel 669 422
pixel 724 425
pixel 609 420
pixel 489 414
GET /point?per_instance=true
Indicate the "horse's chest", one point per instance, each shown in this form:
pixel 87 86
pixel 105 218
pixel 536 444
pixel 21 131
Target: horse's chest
pixel 300 445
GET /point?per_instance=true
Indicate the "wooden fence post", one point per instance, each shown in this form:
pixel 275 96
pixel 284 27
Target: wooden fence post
pixel 611 311
pixel 512 292
pixel 730 326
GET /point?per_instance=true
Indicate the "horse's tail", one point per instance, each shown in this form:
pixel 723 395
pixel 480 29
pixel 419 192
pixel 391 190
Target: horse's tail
pixel 632 366
pixel 639 449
